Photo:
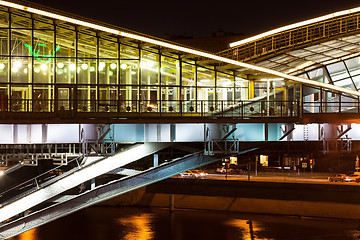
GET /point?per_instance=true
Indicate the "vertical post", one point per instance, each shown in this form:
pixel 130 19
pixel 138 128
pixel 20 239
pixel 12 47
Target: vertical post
pixel 256 160
pixel 93 185
pixel 171 202
pixel 249 170
pixel 156 160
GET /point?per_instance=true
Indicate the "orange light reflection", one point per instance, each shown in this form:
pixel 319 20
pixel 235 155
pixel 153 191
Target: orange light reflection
pixel 244 226
pixel 140 227
pixel 29 235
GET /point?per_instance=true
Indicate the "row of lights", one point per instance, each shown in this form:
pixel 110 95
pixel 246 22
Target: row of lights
pixel 72 67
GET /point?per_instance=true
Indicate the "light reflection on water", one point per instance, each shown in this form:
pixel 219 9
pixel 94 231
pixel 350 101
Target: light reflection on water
pixel 139 227
pixel 125 223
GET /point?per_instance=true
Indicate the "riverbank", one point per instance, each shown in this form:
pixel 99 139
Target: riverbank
pixel 294 199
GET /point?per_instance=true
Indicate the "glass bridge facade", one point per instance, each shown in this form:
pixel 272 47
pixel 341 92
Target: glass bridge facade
pixel 51 66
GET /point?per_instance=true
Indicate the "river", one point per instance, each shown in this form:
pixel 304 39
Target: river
pixel 131 223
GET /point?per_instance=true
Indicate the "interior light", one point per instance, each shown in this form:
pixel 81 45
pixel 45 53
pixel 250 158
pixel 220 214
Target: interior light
pixel 60 65
pixel 111 73
pixel 37 69
pixel 25 70
pixel 123 66
pixel 2 66
pixel 92 69
pixel 2 172
pixel 14 69
pixel 101 65
pixel 29 65
pixel 17 64
pixel 72 67
pixel 113 66
pixel 43 67
pixel 84 66
pixel 150 64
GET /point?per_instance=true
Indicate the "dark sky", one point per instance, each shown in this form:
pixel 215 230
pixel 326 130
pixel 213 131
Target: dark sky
pixel 200 18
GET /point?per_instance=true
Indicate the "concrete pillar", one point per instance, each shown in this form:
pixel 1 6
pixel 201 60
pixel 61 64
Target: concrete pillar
pixel 171 202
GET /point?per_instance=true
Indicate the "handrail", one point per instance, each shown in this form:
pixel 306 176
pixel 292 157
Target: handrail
pixel 34 179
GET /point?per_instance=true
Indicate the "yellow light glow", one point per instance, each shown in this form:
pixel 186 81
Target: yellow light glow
pixel 2 172
pixel 14 69
pixel 43 67
pixel 60 65
pixel 84 66
pixel 2 66
pixel 113 66
pixel 197 52
pixel 123 66
pixel 72 67
pixel 17 64
pixel 295 25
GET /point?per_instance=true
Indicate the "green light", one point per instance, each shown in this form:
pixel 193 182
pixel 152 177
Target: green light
pixel 36 54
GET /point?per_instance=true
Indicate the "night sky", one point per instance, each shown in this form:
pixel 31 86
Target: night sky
pixel 200 18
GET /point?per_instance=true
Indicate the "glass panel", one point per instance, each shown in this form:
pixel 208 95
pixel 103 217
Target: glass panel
pixel 317 75
pixel 108 71
pixel 170 71
pixel 4 69
pixel 205 77
pixel 4 41
pixel 87 46
pixel 64 98
pixel 149 68
pixel 65 70
pixel 188 74
pixel 20 96
pixel 128 98
pixel 86 98
pixel 20 70
pixel 346 83
pixel 128 52
pixel 65 38
pixel 108 97
pixel 4 97
pixel 150 98
pixel 42 98
pixel 87 71
pixel 241 89
pixel 108 49
pixel 129 71
pixel 20 44
pixel 43 72
pixel 21 20
pixel 337 71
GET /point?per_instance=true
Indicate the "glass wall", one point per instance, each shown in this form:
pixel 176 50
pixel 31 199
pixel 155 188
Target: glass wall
pixel 54 66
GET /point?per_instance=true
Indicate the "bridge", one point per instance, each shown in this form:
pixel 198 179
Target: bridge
pixel 89 111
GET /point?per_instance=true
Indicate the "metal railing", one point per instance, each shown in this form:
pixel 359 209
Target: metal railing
pixel 273 43
pixel 36 183
pixel 150 108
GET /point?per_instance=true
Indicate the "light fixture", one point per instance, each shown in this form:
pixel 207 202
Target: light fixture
pixel 101 65
pixel 43 67
pixel 84 66
pixel 25 70
pixel 14 69
pixel 113 66
pixel 60 65
pixel 2 66
pixel 17 64
pixel 2 172
pixel 123 66
pixel 37 69
pixel 72 67
pixel 92 69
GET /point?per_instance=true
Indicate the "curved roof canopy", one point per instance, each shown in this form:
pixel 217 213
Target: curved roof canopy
pixel 304 45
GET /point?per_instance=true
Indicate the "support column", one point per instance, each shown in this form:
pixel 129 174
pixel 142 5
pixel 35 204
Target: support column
pixel 156 160
pixel 171 202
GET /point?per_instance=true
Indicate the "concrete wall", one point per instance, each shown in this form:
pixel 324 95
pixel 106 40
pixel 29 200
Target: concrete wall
pixel 311 200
